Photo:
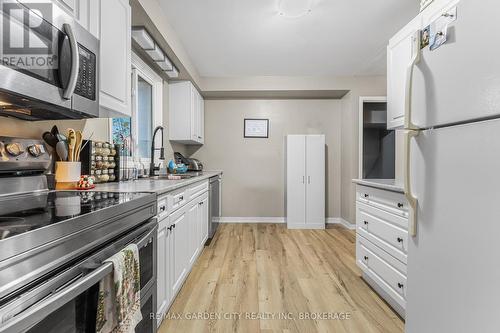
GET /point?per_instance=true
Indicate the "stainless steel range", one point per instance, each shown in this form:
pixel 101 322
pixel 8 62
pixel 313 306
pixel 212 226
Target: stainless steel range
pixel 53 244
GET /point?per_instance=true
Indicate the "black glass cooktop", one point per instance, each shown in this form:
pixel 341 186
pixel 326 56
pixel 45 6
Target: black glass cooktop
pixel 20 214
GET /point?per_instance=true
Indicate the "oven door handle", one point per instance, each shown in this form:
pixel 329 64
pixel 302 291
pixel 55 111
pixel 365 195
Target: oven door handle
pixel 39 311
pixel 148 238
pixel 75 61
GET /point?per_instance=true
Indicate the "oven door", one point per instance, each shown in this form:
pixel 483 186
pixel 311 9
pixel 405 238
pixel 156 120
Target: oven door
pixel 68 301
pixel 48 63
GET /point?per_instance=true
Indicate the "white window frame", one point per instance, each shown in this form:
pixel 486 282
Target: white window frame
pixel 140 68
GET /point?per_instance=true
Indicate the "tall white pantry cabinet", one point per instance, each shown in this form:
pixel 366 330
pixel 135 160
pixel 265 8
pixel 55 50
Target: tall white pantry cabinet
pixel 305 181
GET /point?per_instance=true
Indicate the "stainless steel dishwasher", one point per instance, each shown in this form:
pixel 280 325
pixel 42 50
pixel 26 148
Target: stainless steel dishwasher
pixel 215 206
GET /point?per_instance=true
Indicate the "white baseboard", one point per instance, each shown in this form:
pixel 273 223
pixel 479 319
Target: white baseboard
pixel 341 221
pixel 329 220
pixel 226 219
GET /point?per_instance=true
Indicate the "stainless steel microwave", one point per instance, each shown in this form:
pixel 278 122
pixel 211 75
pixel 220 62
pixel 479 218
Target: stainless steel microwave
pixel 49 66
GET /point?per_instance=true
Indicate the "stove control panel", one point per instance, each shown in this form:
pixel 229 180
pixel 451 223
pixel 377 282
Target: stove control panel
pixel 19 154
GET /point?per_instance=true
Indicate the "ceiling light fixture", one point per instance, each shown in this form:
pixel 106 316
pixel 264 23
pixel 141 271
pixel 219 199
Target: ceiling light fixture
pixel 294 8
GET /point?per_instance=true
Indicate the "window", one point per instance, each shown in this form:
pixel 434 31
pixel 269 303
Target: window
pixel 144 116
pixel 136 132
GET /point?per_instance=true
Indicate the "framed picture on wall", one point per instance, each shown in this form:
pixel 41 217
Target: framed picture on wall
pixel 256 128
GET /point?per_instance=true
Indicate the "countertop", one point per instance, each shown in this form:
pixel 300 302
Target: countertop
pixel 158 186
pixel 384 184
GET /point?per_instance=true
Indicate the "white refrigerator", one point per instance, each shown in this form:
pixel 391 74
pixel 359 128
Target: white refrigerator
pixel 453 176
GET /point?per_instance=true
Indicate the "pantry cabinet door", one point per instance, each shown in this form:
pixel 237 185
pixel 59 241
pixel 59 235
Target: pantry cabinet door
pixel 315 188
pixel 295 180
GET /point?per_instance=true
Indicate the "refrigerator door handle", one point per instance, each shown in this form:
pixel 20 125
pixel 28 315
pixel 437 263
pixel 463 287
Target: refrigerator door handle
pixel 412 199
pixel 415 59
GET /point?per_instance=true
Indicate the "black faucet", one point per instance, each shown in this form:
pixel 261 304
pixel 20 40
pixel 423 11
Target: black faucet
pixel 152 167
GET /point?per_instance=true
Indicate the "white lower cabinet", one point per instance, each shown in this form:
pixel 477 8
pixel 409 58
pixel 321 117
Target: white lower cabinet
pixel 194 231
pixel 179 259
pixel 163 269
pixel 382 242
pixel 182 233
pixel 204 211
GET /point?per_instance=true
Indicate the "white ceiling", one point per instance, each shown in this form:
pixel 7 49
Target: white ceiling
pixel 249 38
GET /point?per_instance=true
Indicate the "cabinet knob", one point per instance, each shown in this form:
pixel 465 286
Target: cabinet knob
pixel 400 240
pixel 366 258
pixel 365 222
pixel 400 285
pixel 400 205
pixel 173 226
pixel 170 228
pixel 181 197
pixel 162 208
pixel 366 195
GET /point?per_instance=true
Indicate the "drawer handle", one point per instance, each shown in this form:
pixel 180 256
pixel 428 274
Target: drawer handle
pixel 366 258
pixel 173 226
pixel 162 208
pixel 366 222
pixel 170 228
pixel 181 197
pixel 366 195
pixel 400 205
pixel 400 240
pixel 400 285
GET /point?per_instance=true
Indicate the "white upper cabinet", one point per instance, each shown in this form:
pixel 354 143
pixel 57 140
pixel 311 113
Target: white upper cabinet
pixel 115 58
pixel 70 6
pixel 85 12
pixel 186 110
pixel 399 54
pixel 399 57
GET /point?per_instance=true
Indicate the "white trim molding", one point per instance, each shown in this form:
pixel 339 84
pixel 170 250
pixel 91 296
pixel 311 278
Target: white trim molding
pixel 252 220
pixel 329 220
pixel 341 221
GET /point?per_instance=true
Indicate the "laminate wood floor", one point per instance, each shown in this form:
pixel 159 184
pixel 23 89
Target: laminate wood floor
pixel 252 272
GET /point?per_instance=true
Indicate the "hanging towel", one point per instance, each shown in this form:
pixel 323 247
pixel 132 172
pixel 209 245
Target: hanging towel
pixel 119 303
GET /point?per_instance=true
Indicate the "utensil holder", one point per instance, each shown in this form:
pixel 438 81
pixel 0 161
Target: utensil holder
pixel 67 175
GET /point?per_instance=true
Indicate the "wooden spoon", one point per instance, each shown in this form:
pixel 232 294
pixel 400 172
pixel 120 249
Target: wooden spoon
pixel 71 144
pixel 78 145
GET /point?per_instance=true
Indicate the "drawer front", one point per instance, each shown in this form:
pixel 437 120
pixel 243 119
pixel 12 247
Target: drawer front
pixel 177 199
pixel 162 208
pixel 198 189
pixel 386 230
pixel 392 202
pixel 384 271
